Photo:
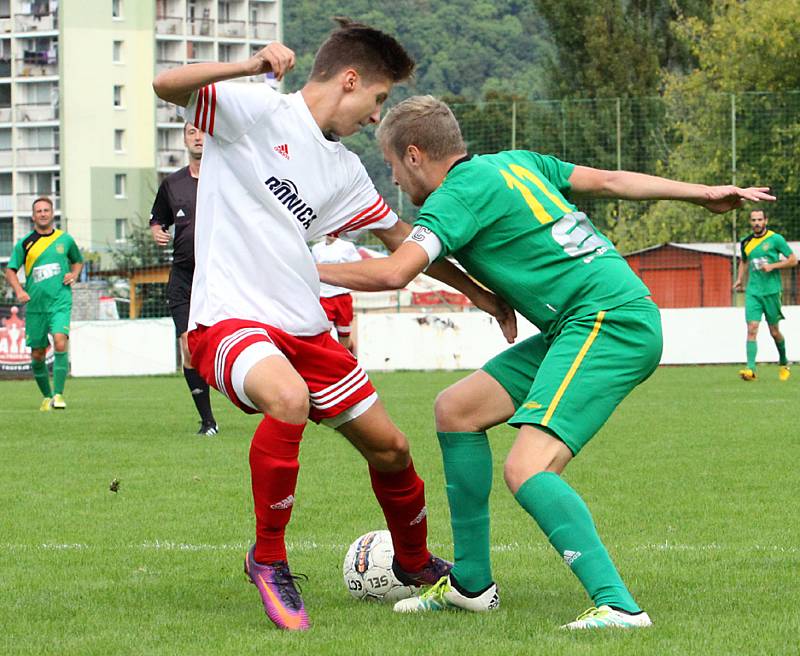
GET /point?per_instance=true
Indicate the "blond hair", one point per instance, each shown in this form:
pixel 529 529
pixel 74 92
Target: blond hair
pixel 424 122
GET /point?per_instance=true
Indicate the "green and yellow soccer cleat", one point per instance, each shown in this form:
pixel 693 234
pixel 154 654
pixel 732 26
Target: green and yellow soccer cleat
pixel 747 374
pixel 606 617
pixel 47 404
pixel 59 403
pixel 444 596
pixel 784 373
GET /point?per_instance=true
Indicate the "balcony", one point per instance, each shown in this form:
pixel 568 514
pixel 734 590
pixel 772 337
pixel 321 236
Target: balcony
pixel 6 25
pixel 37 64
pixel 169 25
pixel 165 64
pixel 231 29
pixel 7 203
pixel 200 26
pixel 34 23
pixel 171 159
pixel 6 158
pixel 45 156
pixel 5 114
pixel 262 31
pixel 168 113
pixel 36 112
pixel 25 201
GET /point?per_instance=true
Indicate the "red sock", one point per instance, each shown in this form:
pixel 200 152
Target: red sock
pixel 401 496
pixel 273 473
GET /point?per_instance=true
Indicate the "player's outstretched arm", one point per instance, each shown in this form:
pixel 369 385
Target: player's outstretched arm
pixel 177 85
pixel 628 185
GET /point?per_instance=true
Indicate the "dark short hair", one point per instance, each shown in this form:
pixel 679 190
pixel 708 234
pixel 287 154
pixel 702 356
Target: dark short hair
pixel 374 54
pixel 759 209
pixel 42 199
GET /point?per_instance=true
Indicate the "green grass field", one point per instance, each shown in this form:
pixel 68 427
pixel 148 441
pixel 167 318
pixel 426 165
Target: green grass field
pixel 693 484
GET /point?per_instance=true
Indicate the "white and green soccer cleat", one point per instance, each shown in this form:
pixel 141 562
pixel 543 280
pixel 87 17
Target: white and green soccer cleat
pixel 606 617
pixel 58 402
pixel 444 596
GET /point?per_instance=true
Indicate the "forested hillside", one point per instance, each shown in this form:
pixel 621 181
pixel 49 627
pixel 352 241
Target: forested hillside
pixel 643 84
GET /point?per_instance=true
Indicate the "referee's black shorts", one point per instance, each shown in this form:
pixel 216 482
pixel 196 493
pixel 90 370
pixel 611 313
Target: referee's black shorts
pixel 179 293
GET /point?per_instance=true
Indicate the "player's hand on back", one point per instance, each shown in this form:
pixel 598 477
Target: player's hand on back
pixel 275 58
pixel 724 198
pixel 500 310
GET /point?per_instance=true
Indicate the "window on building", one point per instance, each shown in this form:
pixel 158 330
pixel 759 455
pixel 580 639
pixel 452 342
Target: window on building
pixel 120 183
pixel 116 8
pixel 116 55
pixel 118 95
pixel 119 140
pixel 121 229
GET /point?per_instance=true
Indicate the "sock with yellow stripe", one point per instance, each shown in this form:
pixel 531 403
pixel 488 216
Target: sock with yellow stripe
pixel 752 350
pixel 467 461
pixel 42 377
pixel 60 368
pixel 568 524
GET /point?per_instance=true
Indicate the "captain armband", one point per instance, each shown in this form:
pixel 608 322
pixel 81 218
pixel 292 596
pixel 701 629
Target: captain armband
pixel 422 236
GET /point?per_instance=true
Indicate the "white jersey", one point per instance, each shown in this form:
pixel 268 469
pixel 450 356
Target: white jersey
pixel 337 252
pixel 269 183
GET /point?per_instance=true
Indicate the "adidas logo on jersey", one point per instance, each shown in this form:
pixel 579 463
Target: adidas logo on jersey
pixel 179 214
pixel 283 150
pixel 571 556
pixel 284 504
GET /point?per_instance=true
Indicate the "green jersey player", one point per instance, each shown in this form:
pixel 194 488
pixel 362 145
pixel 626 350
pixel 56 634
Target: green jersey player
pixel 764 254
pixel 507 219
pixel 52 262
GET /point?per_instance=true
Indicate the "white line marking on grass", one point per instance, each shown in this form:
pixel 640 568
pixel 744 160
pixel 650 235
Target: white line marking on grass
pixel 311 545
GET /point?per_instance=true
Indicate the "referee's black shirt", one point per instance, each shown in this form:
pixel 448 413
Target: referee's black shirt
pixel 175 204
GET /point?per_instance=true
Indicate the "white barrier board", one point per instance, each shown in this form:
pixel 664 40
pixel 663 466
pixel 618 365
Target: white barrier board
pixel 466 340
pixel 122 348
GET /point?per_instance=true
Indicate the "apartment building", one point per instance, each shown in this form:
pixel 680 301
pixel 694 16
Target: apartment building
pixel 78 119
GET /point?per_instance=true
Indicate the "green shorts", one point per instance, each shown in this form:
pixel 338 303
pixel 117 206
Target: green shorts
pixel 39 324
pixel 769 306
pixel 571 386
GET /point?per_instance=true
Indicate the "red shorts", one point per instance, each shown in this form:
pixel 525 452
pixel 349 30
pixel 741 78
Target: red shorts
pixel 339 310
pixel 336 382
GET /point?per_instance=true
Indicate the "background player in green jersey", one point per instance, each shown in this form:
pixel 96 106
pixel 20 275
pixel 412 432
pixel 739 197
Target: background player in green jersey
pixel 52 263
pixel 506 218
pixel 766 253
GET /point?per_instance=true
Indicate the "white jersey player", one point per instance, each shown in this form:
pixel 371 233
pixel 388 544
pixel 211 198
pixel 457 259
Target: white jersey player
pixel 337 302
pixel 274 176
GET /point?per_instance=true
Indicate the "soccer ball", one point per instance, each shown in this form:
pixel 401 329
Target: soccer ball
pixel 367 569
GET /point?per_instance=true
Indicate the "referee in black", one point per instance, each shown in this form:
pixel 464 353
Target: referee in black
pixel 175 205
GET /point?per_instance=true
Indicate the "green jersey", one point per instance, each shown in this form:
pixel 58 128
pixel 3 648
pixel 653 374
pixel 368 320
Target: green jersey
pixel 758 251
pixel 504 217
pixel 46 259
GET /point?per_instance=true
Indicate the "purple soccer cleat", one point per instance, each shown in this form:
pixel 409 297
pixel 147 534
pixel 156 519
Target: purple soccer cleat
pixel 434 570
pixel 282 602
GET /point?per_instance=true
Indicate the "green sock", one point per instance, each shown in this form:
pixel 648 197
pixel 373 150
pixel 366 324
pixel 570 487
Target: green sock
pixel 41 377
pixel 782 353
pixel 468 473
pixel 752 349
pixel 60 367
pixel 567 523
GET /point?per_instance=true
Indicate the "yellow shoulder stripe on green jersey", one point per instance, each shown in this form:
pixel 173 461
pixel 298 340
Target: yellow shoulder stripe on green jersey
pixel 516 181
pixel 39 247
pixel 571 373
pixel 756 241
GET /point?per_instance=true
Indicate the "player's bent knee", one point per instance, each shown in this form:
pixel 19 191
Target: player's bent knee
pixel 450 412
pixel 516 473
pixel 288 403
pixel 38 354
